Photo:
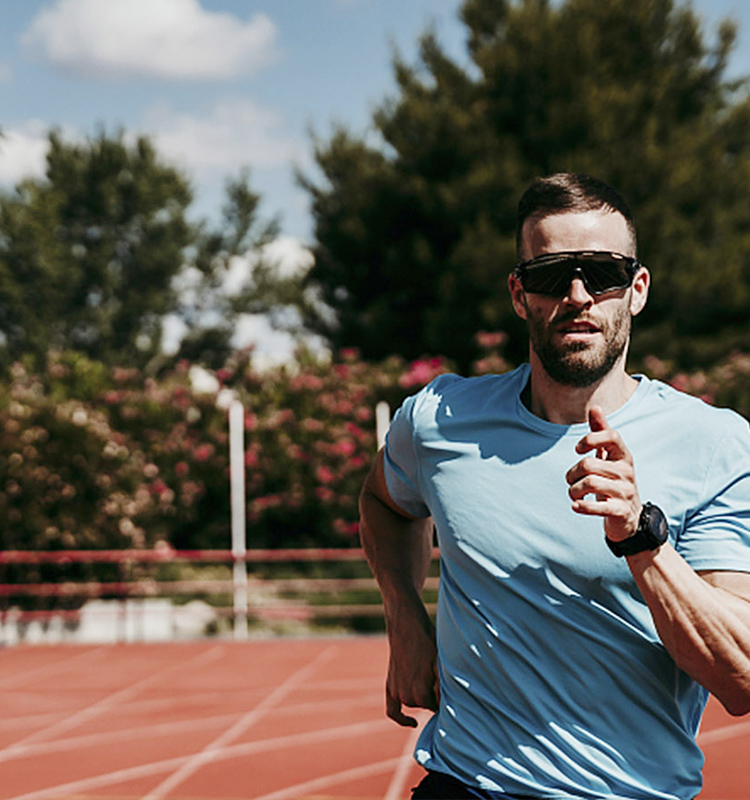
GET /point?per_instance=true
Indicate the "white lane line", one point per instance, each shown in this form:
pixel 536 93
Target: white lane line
pixel 396 789
pixel 302 789
pixel 142 733
pixel 345 732
pixel 155 730
pixel 33 675
pixel 731 731
pixel 102 706
pixel 207 754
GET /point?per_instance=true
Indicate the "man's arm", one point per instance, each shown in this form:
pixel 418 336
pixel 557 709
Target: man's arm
pixel 702 620
pixel 398 548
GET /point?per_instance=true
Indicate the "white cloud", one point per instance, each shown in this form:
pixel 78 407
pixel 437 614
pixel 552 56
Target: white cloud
pixel 23 152
pixel 287 255
pixel 235 133
pixel 291 257
pixel 167 39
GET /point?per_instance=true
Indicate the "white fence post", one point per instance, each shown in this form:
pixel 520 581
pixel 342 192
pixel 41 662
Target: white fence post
pixel 237 497
pixel 382 421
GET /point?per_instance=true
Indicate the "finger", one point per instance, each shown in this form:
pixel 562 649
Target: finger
pixel 608 445
pixel 394 712
pixel 612 470
pixel 611 507
pixel 598 423
pixel 597 419
pixel 598 485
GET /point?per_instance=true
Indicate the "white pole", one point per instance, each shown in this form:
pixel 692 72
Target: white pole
pixel 382 421
pixel 237 497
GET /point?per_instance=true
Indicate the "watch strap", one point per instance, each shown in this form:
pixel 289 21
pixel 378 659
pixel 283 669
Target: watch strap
pixel 652 532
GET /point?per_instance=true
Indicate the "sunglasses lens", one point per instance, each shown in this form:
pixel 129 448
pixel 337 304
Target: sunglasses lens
pixel 601 273
pixel 551 277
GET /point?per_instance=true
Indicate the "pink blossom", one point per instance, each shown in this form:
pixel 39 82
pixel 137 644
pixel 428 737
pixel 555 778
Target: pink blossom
pixel 203 452
pixel 251 421
pixel 159 487
pixel 325 474
pixel 421 372
pixel 345 447
pixel 344 528
pixel 490 340
pixel 324 494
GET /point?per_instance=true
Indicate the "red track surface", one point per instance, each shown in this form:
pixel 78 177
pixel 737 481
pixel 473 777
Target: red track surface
pixel 277 720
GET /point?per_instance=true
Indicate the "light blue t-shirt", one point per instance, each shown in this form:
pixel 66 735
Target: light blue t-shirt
pixel 554 682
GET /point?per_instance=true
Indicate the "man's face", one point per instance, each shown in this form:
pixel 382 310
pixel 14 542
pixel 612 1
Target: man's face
pixel 578 338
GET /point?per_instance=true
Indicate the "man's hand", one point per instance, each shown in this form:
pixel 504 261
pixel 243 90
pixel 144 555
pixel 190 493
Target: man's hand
pixel 412 668
pixel 609 475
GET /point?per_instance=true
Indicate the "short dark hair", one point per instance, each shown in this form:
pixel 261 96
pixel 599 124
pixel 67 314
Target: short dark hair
pixel 570 191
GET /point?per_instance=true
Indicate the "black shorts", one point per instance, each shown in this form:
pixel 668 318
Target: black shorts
pixel 438 786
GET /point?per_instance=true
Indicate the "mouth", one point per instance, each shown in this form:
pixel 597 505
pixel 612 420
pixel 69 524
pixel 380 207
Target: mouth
pixel 578 328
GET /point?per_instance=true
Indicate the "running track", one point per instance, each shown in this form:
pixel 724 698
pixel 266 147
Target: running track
pixel 266 719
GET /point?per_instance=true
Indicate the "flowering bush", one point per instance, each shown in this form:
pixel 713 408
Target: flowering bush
pixel 95 457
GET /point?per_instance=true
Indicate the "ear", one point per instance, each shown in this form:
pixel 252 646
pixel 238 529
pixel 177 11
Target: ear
pixel 639 293
pixel 517 295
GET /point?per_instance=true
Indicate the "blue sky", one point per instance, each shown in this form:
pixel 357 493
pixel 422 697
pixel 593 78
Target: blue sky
pixel 234 83
pixel 243 85
pixel 222 84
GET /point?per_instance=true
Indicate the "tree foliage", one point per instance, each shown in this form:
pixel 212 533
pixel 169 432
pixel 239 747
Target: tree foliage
pixel 90 256
pixel 415 233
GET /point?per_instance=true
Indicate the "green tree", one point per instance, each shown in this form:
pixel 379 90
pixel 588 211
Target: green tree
pixel 91 255
pixel 415 233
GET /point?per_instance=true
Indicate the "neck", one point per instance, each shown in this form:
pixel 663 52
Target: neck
pixel 568 405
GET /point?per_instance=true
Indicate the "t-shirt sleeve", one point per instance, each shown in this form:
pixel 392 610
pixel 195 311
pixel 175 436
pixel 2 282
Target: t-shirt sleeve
pixel 400 461
pixel 716 534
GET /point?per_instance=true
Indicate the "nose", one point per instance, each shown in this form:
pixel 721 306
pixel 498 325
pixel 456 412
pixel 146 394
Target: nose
pixel 577 293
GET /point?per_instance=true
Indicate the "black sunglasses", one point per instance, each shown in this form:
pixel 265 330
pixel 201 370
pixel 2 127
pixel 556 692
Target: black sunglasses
pixel 601 272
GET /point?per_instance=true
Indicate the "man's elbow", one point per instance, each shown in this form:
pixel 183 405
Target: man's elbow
pixel 736 700
pixel 736 707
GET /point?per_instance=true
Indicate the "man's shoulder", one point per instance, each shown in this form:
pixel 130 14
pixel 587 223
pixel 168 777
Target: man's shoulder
pixel 475 390
pixel 693 414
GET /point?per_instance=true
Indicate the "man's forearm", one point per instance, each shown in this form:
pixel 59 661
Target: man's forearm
pixel 398 549
pixel 705 629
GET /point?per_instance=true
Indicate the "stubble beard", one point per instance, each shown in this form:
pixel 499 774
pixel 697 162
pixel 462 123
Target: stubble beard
pixel 579 364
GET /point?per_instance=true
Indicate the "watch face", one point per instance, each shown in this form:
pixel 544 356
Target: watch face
pixel 655 527
pixel 653 531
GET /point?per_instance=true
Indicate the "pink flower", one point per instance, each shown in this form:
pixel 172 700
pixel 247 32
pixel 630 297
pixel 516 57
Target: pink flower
pixel 345 447
pixel 421 372
pixel 324 494
pixel 344 528
pixel 181 469
pixel 159 487
pixel 325 474
pixel 489 340
pixel 251 421
pixel 203 452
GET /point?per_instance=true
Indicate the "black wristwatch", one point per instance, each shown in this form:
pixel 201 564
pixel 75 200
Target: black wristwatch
pixel 651 533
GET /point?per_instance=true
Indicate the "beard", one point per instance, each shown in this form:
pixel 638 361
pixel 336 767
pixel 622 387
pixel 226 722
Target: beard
pixel 580 364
